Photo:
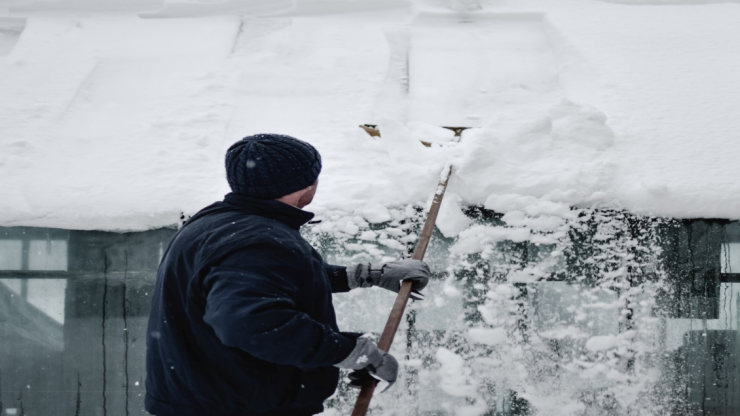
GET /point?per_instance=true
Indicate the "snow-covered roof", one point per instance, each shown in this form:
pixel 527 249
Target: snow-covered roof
pixel 117 122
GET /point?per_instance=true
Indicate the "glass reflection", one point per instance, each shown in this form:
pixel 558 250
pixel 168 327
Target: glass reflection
pixel 74 305
pixel 47 255
pixel 11 253
pixel 73 311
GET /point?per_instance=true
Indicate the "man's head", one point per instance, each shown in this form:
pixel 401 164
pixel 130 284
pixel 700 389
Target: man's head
pixel 273 166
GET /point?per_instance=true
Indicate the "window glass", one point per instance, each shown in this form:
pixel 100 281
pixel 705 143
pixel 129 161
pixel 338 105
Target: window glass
pixel 14 285
pixel 73 313
pixel 48 295
pixel 47 255
pixel 11 254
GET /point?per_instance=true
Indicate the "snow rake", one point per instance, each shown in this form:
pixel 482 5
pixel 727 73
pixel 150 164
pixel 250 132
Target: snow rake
pixel 399 306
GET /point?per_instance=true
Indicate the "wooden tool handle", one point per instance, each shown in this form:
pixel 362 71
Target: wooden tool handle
pixel 394 319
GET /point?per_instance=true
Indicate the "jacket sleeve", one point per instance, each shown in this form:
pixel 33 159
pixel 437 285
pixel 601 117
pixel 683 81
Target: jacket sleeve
pixel 337 278
pixel 250 304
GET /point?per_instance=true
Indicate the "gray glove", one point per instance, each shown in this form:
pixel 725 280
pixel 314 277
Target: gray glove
pixel 378 363
pixel 390 275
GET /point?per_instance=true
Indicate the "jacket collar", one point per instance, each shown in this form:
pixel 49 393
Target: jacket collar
pixel 288 214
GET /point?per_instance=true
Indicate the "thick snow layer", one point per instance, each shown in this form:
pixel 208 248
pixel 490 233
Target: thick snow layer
pixel 94 130
pixel 664 78
pixel 111 121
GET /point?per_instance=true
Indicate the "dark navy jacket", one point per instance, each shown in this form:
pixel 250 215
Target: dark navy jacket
pixel 242 321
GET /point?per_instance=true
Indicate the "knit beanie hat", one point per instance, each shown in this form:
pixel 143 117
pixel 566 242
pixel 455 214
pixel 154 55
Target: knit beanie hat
pixel 269 166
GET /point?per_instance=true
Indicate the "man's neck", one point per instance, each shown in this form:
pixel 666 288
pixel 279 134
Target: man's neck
pixel 293 202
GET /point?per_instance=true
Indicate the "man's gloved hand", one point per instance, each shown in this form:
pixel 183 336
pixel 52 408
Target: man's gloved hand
pixel 366 358
pixel 358 378
pixel 390 275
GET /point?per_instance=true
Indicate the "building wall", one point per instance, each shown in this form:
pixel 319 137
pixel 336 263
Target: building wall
pixel 91 363
pixel 90 359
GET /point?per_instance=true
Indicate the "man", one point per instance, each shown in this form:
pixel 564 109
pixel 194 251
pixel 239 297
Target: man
pixel 242 321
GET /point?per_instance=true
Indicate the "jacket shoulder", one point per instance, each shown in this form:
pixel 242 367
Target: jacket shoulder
pixel 238 233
